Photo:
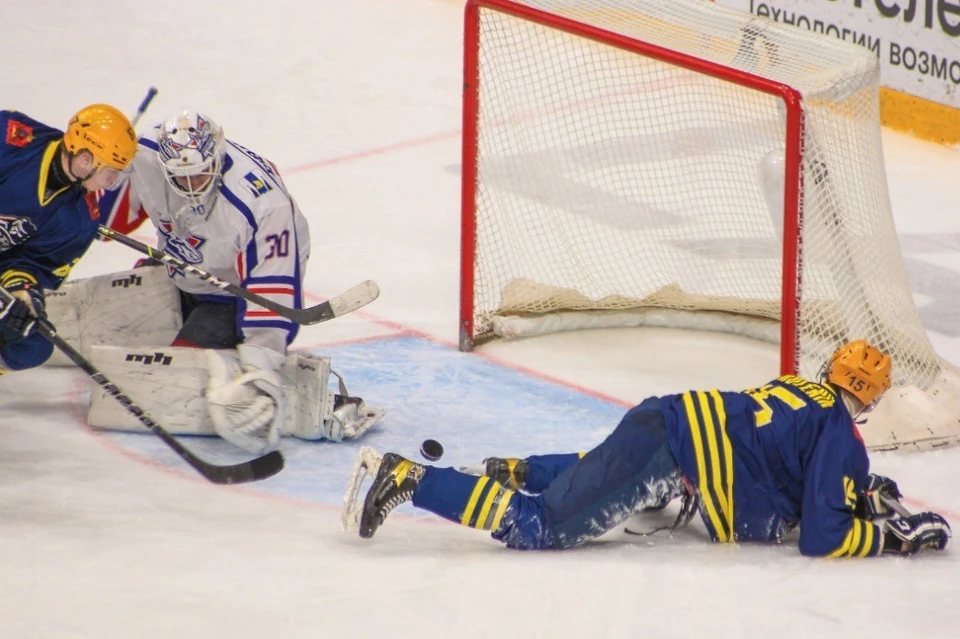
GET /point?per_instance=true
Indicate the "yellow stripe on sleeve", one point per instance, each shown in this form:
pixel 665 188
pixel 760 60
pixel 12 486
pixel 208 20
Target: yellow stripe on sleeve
pixel 472 502
pixel 858 541
pixel 505 498
pixel 727 454
pixel 695 433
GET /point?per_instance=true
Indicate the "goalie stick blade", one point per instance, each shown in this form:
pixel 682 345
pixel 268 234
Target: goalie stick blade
pixel 367 464
pixel 347 302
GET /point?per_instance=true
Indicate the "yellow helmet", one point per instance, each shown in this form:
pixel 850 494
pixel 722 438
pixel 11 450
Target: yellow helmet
pixel 105 132
pixel 860 369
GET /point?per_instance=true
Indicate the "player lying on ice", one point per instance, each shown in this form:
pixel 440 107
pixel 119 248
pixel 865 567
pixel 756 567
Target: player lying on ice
pixel 199 359
pixel 755 464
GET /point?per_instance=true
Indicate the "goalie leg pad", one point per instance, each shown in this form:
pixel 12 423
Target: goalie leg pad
pixel 167 382
pixel 317 412
pixel 170 383
pixel 139 307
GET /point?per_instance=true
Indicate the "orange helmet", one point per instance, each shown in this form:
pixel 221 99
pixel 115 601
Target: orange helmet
pixel 860 369
pixel 105 132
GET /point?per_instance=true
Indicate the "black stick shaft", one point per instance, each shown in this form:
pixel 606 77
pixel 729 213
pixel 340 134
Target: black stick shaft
pixel 253 470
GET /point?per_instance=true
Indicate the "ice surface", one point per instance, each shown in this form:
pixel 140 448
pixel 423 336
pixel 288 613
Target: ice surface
pixel 105 536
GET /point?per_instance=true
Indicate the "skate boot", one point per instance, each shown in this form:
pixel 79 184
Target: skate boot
pixel 393 485
pixel 508 471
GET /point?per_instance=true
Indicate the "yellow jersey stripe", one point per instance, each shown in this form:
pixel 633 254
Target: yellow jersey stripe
pixel 858 542
pixel 492 494
pixel 45 173
pixel 501 508
pixel 472 502
pixel 857 534
pixel 695 435
pixel 867 540
pixel 844 549
pixel 14 276
pixel 727 454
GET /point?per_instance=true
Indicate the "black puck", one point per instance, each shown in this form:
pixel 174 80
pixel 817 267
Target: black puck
pixel 431 449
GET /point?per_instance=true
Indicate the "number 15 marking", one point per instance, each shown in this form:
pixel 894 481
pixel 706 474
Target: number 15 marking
pixel 762 394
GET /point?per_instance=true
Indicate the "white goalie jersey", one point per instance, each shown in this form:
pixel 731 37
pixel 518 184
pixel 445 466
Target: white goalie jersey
pixel 249 232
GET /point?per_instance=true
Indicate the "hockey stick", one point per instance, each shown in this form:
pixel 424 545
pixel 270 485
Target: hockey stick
pixel 347 302
pixel 894 504
pixel 147 99
pixel 253 470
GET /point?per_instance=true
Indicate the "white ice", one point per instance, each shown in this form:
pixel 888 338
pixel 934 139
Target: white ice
pixel 359 104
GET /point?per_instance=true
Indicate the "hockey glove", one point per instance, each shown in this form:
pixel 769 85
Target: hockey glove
pixel 18 317
pixel 245 397
pixel 910 535
pixel 870 504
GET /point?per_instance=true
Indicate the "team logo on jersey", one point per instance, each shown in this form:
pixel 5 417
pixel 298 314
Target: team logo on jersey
pixel 19 134
pixel 93 203
pixel 14 231
pixel 258 186
pixel 184 249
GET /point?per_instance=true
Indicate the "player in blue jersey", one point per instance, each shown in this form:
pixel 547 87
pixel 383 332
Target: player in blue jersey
pixel 755 464
pixel 48 215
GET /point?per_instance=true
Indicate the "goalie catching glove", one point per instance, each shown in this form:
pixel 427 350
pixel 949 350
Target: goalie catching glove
pixel 245 397
pixel 910 535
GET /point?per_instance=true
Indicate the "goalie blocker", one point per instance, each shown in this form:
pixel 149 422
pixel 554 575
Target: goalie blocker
pixel 171 383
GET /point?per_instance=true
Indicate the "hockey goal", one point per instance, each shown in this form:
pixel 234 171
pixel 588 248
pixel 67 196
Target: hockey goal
pixel 678 163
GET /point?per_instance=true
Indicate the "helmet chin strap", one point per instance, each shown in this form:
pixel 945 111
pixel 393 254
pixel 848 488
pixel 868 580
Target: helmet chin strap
pixel 854 406
pixel 68 177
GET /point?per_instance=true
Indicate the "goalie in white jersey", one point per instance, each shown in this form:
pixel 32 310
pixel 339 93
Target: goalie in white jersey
pixel 225 210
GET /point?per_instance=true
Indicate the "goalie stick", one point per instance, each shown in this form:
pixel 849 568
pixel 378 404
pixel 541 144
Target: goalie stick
pixel 346 302
pixel 147 99
pixel 253 470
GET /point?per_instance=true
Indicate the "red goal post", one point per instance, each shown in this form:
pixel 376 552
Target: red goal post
pixel 678 163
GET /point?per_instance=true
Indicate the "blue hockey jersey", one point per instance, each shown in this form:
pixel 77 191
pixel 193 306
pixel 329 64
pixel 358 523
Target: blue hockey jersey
pixel 42 234
pixel 769 458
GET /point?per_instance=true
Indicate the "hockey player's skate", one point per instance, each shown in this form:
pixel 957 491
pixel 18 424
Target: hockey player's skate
pixel 508 471
pixel 396 478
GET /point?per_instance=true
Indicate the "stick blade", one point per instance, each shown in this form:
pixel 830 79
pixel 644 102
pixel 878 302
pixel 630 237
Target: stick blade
pixel 346 302
pixel 357 297
pixel 253 470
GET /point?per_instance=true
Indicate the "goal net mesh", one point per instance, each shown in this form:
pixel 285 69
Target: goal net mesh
pixel 608 180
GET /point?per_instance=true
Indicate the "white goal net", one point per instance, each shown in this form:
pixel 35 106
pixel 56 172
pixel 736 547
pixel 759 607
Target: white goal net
pixel 675 162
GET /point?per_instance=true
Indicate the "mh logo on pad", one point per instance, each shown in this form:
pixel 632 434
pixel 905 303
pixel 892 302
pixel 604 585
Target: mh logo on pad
pixel 156 358
pixel 125 282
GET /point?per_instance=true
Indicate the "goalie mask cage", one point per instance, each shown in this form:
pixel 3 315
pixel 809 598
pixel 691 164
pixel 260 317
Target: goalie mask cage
pixel 678 163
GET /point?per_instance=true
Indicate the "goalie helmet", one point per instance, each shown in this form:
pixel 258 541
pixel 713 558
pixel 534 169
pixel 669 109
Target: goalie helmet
pixel 105 133
pixel 190 154
pixel 860 369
